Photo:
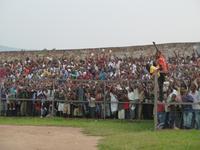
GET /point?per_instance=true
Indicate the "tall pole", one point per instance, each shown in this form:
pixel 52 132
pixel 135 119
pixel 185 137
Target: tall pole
pixel 155 100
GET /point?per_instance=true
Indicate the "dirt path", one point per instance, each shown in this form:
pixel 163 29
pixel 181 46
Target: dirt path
pixel 45 138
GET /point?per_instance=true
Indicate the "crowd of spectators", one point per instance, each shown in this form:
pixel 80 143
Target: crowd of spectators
pixel 100 85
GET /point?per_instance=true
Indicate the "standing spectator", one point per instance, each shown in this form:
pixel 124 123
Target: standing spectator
pixel 90 98
pixel 4 103
pixel 196 107
pixel 42 96
pixel 99 100
pixel 141 99
pixel 81 97
pixel 174 117
pixel 34 96
pixel 107 103
pixel 187 109
pixel 121 111
pixel 131 98
pixel 23 104
pixel 161 115
pixel 114 104
pixel 126 105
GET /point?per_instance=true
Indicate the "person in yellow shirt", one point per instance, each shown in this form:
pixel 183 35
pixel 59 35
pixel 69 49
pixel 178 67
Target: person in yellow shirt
pixel 46 73
pixel 152 69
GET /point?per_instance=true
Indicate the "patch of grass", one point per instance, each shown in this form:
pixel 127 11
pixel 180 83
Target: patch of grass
pixel 121 135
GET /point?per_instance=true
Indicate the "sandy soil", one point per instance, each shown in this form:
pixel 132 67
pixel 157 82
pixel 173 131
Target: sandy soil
pixel 45 138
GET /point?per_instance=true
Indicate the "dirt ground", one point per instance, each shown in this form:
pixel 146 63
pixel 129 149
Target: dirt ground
pixel 45 138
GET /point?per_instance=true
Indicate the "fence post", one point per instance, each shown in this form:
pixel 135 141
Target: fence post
pixel 104 99
pixel 155 100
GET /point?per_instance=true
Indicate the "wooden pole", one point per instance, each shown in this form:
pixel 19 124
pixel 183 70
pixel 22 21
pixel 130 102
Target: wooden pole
pixel 155 100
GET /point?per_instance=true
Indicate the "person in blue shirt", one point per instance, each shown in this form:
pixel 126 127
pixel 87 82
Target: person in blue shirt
pixel 102 75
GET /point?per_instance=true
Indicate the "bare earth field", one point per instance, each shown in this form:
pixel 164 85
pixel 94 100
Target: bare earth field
pixel 45 138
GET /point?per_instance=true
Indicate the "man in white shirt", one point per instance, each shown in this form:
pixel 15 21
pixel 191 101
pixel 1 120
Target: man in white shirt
pixel 114 104
pixel 132 94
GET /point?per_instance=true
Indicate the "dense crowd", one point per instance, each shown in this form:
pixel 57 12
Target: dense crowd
pixel 100 85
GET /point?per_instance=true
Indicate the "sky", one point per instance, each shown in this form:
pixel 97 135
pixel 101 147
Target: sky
pixel 71 24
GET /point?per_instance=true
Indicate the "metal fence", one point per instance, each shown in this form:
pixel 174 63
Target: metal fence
pixel 72 106
pixel 23 104
pixel 82 109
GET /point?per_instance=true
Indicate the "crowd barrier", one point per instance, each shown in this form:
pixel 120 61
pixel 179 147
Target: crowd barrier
pixel 80 109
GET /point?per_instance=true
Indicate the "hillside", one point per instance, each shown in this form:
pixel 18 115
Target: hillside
pixel 134 51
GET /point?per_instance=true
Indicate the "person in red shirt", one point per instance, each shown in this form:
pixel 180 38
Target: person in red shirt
pixel 161 115
pixel 163 70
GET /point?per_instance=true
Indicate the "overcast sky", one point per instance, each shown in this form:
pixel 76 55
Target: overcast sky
pixel 38 24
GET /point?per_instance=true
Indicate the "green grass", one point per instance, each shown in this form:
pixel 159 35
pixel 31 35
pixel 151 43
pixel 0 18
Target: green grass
pixel 122 135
